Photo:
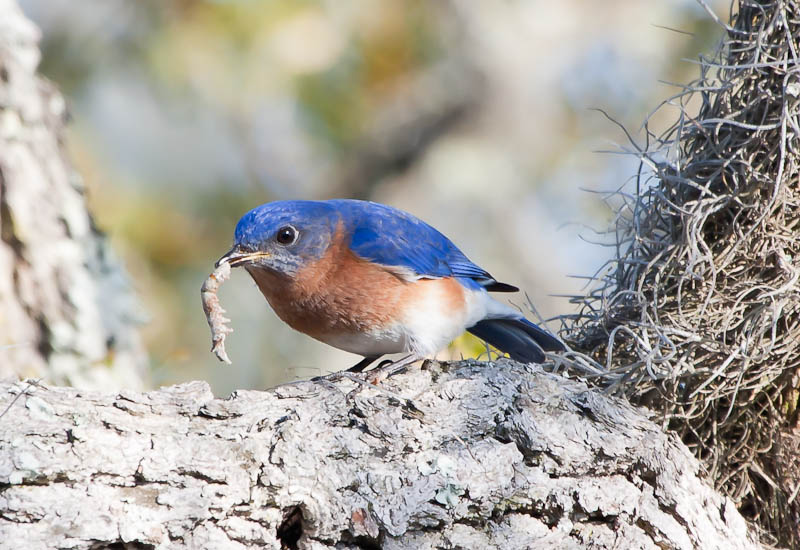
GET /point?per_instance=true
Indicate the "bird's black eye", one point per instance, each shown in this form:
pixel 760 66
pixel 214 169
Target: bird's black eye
pixel 286 235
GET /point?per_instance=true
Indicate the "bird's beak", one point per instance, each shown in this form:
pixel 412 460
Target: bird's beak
pixel 236 257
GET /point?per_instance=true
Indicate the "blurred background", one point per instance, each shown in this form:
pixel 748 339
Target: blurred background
pixel 475 116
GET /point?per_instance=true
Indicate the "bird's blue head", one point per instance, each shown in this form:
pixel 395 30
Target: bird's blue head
pixel 283 236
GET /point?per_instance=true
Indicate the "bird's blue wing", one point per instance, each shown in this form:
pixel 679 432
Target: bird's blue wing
pixel 394 238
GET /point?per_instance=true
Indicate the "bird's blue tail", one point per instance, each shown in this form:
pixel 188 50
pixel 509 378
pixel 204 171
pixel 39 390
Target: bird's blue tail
pixel 519 338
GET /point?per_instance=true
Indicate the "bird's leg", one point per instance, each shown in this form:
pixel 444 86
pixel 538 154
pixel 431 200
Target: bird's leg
pixel 364 363
pixel 358 367
pixel 384 370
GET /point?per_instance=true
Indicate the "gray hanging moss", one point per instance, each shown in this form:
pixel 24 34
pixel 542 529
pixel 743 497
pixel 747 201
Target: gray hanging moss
pixel 698 315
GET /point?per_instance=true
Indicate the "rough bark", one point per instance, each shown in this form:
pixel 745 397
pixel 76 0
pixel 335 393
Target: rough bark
pixel 469 455
pixel 465 455
pixel 66 312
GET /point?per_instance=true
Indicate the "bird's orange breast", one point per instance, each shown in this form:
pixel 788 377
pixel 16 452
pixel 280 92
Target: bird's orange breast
pixel 343 294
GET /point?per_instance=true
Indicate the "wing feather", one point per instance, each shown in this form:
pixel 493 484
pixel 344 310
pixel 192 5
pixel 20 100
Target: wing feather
pixel 404 243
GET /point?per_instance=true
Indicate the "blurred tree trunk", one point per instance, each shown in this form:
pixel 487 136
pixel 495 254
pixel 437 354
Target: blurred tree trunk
pixel 67 313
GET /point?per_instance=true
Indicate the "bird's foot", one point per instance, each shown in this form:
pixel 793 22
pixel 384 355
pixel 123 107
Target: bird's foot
pixel 387 369
pixel 364 363
pixel 371 379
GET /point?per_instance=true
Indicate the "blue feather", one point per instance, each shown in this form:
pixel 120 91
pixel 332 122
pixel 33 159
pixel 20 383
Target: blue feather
pixel 377 233
pixel 391 237
pixel 518 337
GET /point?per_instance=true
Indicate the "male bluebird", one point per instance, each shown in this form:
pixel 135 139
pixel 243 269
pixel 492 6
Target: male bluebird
pixel 372 280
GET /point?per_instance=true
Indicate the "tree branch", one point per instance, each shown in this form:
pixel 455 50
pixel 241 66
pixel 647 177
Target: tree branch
pixel 469 454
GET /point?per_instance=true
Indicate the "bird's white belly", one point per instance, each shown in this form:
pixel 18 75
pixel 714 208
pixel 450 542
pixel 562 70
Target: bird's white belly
pixel 433 322
pixel 373 343
pixel 426 324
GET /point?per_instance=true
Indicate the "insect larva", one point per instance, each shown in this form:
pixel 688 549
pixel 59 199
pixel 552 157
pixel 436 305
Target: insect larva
pixel 215 315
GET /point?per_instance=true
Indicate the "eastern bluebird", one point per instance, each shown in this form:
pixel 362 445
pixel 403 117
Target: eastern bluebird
pixel 373 280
